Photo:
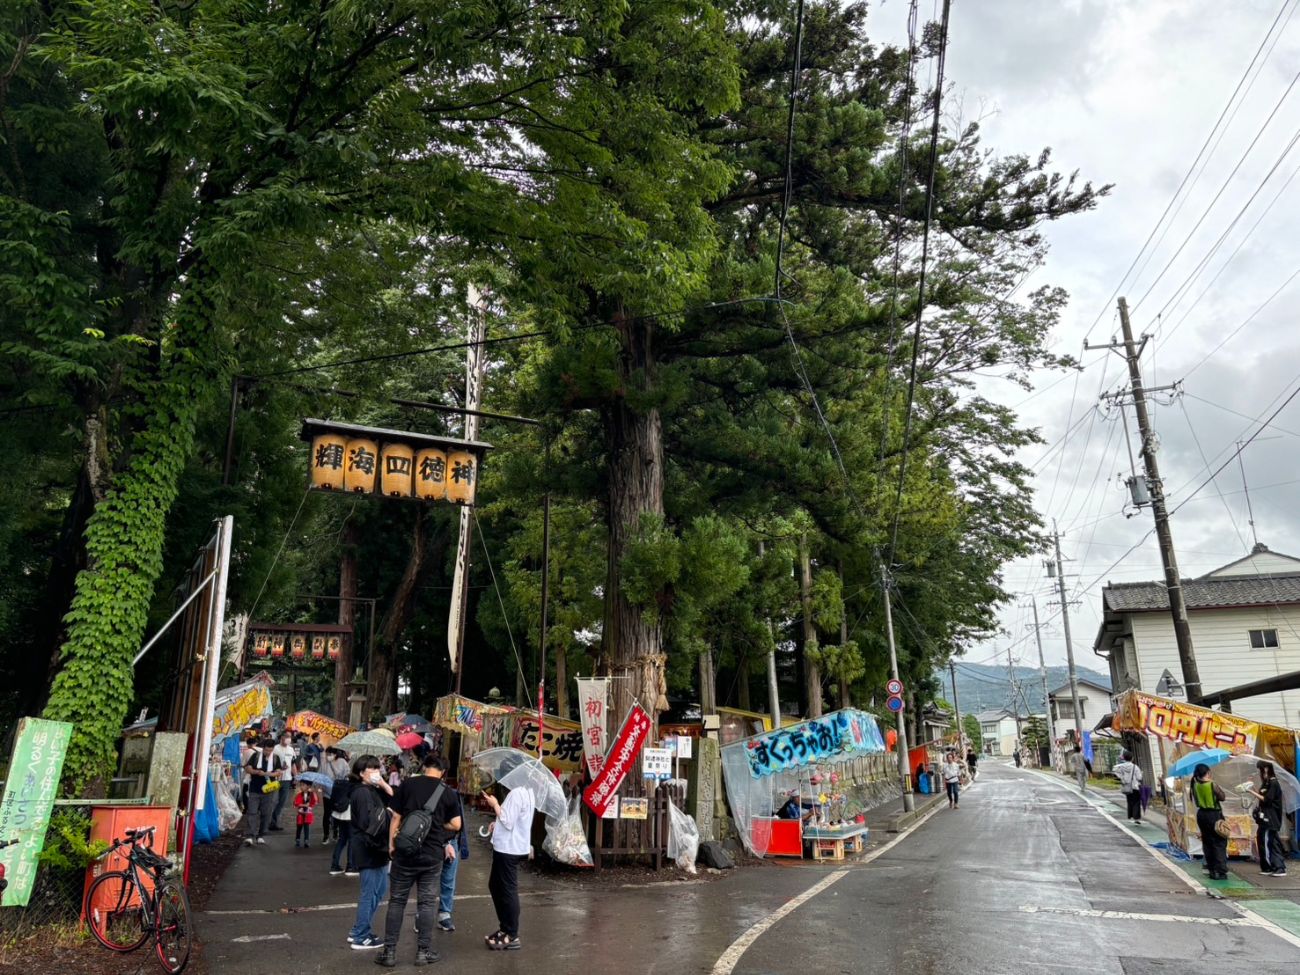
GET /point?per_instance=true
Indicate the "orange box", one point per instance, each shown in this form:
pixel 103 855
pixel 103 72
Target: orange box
pixel 109 823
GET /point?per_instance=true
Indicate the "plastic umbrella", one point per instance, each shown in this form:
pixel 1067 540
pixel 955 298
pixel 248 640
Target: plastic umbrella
pixel 1206 756
pixel 1289 783
pixel 368 743
pixel 408 740
pixel 518 770
pixel 413 722
pixel 318 778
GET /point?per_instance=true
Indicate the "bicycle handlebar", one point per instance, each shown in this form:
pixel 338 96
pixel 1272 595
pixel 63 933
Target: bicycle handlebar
pixel 132 836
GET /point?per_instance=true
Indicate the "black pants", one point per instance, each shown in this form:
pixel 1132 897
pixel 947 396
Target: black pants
pixel 503 885
pixel 1134 800
pixel 1271 856
pixel 1214 845
pixel 954 792
pixel 402 877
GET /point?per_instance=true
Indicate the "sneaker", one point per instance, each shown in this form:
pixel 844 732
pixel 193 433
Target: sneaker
pixel 425 956
pixel 261 841
pixel 444 922
pixel 1279 873
pixel 387 958
pixel 365 944
pixel 335 872
pixel 351 939
pixel 297 845
pixel 248 841
pixel 353 873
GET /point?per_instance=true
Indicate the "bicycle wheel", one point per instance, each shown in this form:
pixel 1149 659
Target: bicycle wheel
pixel 115 912
pixel 173 935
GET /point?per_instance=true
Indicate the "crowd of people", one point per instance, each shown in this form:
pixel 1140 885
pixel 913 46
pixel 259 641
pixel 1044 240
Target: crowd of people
pixel 395 830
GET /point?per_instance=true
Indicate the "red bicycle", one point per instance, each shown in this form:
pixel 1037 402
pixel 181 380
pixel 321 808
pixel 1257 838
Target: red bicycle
pixel 125 908
pixel 4 883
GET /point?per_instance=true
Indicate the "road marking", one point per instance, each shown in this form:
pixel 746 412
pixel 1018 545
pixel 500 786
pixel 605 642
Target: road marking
pixel 726 964
pixel 1228 922
pixel 250 938
pixel 1258 919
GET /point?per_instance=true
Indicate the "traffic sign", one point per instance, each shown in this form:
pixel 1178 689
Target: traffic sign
pixel 894 703
pixel 894 687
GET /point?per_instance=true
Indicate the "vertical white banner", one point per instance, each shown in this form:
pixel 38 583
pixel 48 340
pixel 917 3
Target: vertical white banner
pixel 475 364
pixel 593 705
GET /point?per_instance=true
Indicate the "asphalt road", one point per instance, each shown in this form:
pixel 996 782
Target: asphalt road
pixel 1024 877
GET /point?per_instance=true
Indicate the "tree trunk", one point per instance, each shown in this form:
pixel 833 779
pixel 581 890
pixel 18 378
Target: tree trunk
pixel 383 657
pixel 708 683
pixel 811 672
pixel 632 638
pixel 347 617
pixel 844 640
pixel 742 681
pixel 561 682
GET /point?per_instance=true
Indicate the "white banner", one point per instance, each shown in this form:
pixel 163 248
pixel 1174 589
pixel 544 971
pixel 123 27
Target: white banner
pixel 593 703
pixel 475 363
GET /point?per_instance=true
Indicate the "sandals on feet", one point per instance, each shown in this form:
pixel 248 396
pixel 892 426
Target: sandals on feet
pixel 503 942
pixel 494 940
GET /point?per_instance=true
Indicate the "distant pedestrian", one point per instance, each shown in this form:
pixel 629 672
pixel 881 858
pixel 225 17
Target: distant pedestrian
pixel 304 804
pixel 951 770
pixel 288 768
pixel 511 833
pixel 1208 798
pixel 425 818
pixel 341 815
pixel 1268 818
pixel 335 765
pixel 312 753
pixel 263 769
pixel 972 763
pixel 1129 774
pixel 369 820
pixel 394 774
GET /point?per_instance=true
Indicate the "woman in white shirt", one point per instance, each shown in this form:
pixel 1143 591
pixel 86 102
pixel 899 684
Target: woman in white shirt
pixel 952 779
pixel 510 845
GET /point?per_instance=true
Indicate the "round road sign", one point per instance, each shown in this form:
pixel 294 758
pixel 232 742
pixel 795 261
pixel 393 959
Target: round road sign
pixel 894 687
pixel 894 703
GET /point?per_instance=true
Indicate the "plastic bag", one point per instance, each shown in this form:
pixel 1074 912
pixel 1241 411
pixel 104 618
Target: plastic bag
pixel 228 814
pixel 566 841
pixel 683 839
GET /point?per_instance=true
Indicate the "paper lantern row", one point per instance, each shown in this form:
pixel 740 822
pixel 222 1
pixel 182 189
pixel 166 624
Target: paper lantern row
pixel 396 470
pixel 295 646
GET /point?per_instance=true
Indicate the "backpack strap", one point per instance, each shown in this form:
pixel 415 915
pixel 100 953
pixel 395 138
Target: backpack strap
pixel 432 804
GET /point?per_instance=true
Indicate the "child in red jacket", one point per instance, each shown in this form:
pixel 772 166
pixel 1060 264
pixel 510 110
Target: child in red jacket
pixel 304 801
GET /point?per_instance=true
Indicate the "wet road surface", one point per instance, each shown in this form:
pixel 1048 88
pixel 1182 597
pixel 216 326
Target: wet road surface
pixel 1024 877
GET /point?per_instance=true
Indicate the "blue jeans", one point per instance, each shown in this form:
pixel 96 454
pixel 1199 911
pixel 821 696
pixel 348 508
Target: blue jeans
pixel 374 885
pixel 344 827
pixel 447 886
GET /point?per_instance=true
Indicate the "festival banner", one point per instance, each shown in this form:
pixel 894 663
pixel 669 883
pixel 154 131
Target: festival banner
pixel 561 740
pixel 310 722
pixel 622 754
pixel 840 733
pixel 593 698
pixel 33 782
pixel 1185 724
pixel 462 714
pixel 237 707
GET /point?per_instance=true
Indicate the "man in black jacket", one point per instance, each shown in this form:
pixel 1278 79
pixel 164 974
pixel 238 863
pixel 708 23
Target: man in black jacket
pixel 369 852
pixel 423 868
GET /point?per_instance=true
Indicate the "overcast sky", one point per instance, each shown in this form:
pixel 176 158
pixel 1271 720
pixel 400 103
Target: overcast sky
pixel 1127 92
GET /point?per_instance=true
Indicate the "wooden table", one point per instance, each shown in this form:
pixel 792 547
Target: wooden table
pixel 834 843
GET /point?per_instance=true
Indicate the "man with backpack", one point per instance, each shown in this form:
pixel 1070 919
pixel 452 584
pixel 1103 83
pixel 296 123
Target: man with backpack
pixel 369 810
pixel 425 818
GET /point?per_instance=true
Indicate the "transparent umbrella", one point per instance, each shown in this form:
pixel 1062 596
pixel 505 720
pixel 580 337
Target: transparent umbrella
pixel 518 770
pixel 1289 783
pixel 368 743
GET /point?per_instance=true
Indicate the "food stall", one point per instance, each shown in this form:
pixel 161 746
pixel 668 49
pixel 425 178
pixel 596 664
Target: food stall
pixel 1179 729
pixel 788 789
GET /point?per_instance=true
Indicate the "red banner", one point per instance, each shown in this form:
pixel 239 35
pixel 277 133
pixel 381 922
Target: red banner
pixel 618 762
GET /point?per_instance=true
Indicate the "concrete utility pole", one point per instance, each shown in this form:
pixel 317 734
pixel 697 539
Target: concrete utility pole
pixel 909 804
pixel 1173 580
pixel 1015 687
pixel 956 706
pixel 773 691
pixel 1042 672
pixel 1069 656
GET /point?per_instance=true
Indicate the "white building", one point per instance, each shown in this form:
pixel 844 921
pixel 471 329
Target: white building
pixel 998 730
pixel 1245 626
pixel 1094 702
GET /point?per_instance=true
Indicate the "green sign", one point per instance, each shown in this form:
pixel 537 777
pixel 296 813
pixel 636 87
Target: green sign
pixel 30 790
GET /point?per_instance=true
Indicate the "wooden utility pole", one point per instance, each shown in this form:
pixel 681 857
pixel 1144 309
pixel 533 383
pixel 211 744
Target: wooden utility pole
pixel 956 706
pixel 1173 580
pixel 904 772
pixel 1069 656
pixel 1042 672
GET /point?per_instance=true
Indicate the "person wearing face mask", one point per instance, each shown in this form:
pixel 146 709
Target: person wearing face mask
pixel 369 808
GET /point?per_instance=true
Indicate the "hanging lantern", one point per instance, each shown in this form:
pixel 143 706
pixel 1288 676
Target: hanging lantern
pixel 262 645
pixel 277 644
pixel 431 475
pixel 333 647
pixel 298 646
pixel 318 648
pixel 462 472
pixel 397 471
pixel 361 464
pixel 328 453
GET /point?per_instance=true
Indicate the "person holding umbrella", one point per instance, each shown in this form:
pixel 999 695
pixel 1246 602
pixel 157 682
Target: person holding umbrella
pixel 511 833
pixel 1208 798
pixel 1268 817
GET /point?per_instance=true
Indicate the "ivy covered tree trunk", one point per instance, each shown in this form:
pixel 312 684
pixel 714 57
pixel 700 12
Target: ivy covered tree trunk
pixel 124 548
pixel 634 433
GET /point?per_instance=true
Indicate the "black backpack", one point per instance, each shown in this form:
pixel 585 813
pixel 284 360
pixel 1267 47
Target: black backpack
pixel 372 823
pixel 341 795
pixel 409 841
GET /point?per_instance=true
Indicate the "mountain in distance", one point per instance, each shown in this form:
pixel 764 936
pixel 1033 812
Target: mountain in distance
pixel 987 687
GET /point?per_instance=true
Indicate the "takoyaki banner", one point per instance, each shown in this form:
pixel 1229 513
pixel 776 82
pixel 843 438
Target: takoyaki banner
pixel 310 722
pixel 839 735
pixel 1184 724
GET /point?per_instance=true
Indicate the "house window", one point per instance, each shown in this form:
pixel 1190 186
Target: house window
pixel 1263 639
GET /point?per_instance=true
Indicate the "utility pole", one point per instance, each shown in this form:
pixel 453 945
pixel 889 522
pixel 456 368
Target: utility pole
pixel 909 804
pixel 1015 685
pixel 1042 672
pixel 1173 580
pixel 773 690
pixel 1069 656
pixel 956 706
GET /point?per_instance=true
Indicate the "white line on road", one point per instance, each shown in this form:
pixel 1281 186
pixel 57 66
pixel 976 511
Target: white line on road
pixel 1229 922
pixel 352 906
pixel 250 938
pixel 1257 919
pixel 726 964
